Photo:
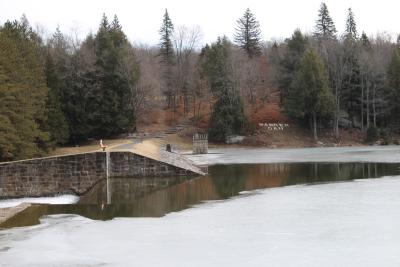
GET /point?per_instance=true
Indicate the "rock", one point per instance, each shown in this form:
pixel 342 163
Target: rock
pixel 234 139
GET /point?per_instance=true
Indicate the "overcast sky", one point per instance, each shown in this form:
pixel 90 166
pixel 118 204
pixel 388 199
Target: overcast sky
pixel 142 19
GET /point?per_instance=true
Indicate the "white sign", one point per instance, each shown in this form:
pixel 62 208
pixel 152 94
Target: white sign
pixel 274 126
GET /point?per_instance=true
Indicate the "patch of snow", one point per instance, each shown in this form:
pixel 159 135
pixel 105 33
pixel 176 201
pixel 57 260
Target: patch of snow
pixel 62 199
pixel 325 154
pixel 339 224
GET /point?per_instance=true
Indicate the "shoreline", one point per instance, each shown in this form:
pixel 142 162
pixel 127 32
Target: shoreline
pixel 8 213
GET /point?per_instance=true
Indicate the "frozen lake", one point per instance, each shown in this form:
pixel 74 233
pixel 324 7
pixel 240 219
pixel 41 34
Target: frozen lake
pixel 329 154
pixel 279 214
pixel 341 224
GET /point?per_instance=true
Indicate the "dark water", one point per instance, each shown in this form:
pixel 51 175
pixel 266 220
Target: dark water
pixel 155 197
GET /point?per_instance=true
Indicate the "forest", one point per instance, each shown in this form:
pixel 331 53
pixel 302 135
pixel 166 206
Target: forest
pixel 57 90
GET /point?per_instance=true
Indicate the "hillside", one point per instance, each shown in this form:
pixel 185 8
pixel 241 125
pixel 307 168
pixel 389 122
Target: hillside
pixel 160 123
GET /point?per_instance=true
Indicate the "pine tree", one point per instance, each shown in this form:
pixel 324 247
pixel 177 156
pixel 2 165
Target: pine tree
pixel 296 46
pixel 351 85
pixel 351 26
pixel 117 35
pixel 23 93
pixel 99 85
pixel 248 34
pixel 215 65
pixel 311 96
pixel 365 41
pixel 111 103
pixel 59 78
pixel 167 59
pixel 274 54
pixel 227 116
pixel 56 123
pixel 166 32
pixel 324 28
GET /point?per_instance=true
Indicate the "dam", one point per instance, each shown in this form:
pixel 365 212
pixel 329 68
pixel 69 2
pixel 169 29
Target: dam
pixel 78 173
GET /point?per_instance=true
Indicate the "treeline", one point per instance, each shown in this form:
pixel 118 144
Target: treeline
pixel 60 90
pixel 55 91
pixel 346 80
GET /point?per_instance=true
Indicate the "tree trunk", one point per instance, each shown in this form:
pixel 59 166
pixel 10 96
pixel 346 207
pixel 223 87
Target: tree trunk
pixel 362 102
pixel 336 116
pixel 314 118
pixel 174 108
pixel 368 112
pixel 198 110
pixel 185 104
pixel 194 108
pixel 373 105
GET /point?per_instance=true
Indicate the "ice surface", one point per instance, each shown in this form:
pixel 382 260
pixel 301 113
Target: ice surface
pixel 62 199
pixel 331 154
pixel 340 224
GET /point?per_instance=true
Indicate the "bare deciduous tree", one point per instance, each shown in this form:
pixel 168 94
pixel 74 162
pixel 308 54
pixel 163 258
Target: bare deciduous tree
pixel 185 41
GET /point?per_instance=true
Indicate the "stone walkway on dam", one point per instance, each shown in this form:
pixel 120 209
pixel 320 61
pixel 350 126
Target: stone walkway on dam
pixel 149 149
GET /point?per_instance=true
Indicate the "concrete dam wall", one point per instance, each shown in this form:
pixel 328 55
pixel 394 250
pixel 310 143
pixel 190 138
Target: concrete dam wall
pixel 80 172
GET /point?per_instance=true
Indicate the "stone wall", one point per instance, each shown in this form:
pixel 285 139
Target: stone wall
pixel 53 175
pixel 75 173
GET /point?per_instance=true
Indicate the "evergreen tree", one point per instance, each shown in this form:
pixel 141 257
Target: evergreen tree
pixel 324 28
pixel 57 66
pixel 351 27
pixel 215 65
pixel 248 34
pixel 274 54
pixel 23 93
pixel 296 46
pixel 167 58
pixel 227 116
pixel 166 32
pixel 98 84
pixel 365 41
pixel 111 99
pixel 351 85
pixel 311 96
pixel 56 123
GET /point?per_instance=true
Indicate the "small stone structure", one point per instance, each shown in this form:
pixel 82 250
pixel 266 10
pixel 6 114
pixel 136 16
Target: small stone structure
pixel 200 143
pixel 80 172
pixel 234 139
